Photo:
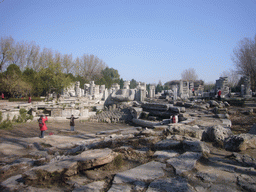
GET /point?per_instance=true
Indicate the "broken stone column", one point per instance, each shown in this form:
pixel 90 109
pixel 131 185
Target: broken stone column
pixel 78 89
pixel 151 91
pixel 102 88
pixel 246 87
pixel 86 89
pixel 92 88
pixel 175 93
pixel 97 91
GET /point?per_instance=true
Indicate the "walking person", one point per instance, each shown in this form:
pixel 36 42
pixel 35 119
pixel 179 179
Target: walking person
pixel 29 99
pixel 72 122
pixel 219 95
pixel 42 125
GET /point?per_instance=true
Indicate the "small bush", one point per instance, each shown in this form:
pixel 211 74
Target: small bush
pixel 6 124
pixel 118 161
pixel 1 117
pixel 24 116
pixel 25 99
pixel 23 113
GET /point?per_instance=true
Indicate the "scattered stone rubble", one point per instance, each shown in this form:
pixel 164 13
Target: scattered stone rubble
pixel 197 153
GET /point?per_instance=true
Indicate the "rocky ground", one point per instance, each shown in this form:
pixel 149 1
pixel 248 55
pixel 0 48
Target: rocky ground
pixel 200 156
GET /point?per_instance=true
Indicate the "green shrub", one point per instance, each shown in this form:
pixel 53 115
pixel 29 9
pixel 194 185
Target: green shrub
pixel 118 161
pixel 24 116
pixel 25 99
pixel 14 119
pixel 6 124
pixel 23 113
pixel 1 117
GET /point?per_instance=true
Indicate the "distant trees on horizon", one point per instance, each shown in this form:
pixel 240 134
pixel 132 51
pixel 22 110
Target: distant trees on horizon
pixel 26 69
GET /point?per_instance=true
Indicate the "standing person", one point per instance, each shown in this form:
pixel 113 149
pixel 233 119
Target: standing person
pixel 72 122
pixel 2 96
pixel 219 95
pixel 29 99
pixel 42 125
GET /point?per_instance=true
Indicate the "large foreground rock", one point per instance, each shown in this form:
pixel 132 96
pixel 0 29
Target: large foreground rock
pixel 146 172
pixel 195 146
pixel 96 186
pixel 69 166
pixel 93 158
pixel 185 162
pixel 240 142
pixel 185 130
pixel 253 129
pixel 177 184
pixel 217 134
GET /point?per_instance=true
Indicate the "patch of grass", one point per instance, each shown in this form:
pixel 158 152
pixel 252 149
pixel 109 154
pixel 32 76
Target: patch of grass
pixel 118 161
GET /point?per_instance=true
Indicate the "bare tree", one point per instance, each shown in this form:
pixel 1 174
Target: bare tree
pixel 33 56
pixel 77 66
pixel 91 67
pixel 244 59
pixel 19 54
pixel 46 58
pixel 189 75
pixel 6 47
pixel 67 63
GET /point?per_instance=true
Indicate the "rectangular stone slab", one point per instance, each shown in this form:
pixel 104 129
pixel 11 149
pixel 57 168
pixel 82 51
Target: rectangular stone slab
pixel 149 171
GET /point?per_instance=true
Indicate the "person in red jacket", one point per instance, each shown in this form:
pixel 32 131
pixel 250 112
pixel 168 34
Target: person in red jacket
pixel 29 99
pixel 2 96
pixel 219 95
pixel 42 125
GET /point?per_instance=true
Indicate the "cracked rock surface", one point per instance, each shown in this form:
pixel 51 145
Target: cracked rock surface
pixel 173 157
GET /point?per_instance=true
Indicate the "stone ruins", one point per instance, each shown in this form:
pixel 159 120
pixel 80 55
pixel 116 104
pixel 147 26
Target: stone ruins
pixel 179 140
pixel 81 102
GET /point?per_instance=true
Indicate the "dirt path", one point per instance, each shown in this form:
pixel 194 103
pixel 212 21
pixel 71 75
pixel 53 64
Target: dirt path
pixel 26 130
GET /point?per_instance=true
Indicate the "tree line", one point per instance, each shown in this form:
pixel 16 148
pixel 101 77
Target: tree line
pixel 25 69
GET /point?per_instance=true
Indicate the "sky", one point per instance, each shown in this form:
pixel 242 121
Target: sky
pixel 145 40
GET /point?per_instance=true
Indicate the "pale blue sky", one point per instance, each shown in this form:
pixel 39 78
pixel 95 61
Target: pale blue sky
pixel 144 40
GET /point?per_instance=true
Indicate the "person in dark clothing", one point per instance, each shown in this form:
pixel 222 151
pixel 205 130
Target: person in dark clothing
pixel 72 122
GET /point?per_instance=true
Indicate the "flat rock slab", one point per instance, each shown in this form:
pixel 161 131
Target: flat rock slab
pixel 65 167
pixel 163 155
pixel 9 148
pixel 96 186
pixel 92 158
pixel 247 182
pixel 72 165
pixel 146 172
pixel 177 184
pixel 120 187
pixel 195 146
pixel 57 140
pixel 185 162
pixel 12 184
